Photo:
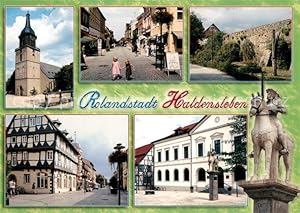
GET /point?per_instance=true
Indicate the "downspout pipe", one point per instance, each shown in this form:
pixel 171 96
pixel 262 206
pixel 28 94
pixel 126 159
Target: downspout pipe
pixel 191 167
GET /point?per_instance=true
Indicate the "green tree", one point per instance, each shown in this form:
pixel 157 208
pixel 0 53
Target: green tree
pixel 134 37
pixel 283 52
pixel 33 92
pixel 206 56
pixel 196 33
pixel 10 84
pixel 162 17
pixel 247 51
pixel 113 182
pixel 117 156
pixel 229 52
pixel 238 157
pixel 100 179
pixel 64 78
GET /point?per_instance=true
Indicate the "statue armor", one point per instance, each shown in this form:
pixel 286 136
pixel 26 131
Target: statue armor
pixel 275 105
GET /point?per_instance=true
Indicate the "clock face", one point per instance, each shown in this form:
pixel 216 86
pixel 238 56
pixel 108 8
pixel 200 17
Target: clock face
pixel 217 119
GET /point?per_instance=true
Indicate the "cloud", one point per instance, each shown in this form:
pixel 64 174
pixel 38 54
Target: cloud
pixel 54 31
pixel 117 17
pixel 233 19
pixel 97 135
pixel 28 8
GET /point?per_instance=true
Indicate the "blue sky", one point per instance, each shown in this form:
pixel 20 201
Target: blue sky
pixel 53 28
pixel 96 134
pixel 234 19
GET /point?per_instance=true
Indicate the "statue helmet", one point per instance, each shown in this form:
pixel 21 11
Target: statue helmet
pixel 273 93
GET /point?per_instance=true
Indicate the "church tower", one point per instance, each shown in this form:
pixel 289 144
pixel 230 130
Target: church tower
pixel 27 67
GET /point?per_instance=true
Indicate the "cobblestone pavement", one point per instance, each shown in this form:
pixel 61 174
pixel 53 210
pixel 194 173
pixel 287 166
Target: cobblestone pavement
pixel 99 67
pixel 101 197
pixel 199 73
pixel 183 198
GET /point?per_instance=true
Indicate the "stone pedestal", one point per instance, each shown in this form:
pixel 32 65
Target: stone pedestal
pixel 270 196
pixel 213 185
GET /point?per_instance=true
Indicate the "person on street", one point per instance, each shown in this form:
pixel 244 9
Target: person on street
pixel 128 69
pixel 33 188
pixel 10 188
pixel 135 49
pixel 116 69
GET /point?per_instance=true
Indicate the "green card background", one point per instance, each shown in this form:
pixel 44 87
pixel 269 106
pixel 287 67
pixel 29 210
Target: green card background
pixel 243 91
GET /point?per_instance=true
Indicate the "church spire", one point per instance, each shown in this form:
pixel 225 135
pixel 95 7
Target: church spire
pixel 27 36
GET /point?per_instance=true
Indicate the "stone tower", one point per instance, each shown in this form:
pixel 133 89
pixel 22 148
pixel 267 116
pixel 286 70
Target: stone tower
pixel 27 68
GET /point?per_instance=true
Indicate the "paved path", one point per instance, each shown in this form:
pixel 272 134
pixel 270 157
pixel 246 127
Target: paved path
pixel 101 197
pixel 99 67
pixel 183 198
pixel 38 101
pixel 199 73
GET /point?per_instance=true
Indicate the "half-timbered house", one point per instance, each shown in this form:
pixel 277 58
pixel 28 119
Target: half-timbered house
pixel 38 153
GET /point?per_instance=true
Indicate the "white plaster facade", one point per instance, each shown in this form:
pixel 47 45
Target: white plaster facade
pixel 182 172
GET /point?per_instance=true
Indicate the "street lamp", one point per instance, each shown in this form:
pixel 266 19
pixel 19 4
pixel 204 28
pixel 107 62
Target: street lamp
pixel 149 179
pixel 118 148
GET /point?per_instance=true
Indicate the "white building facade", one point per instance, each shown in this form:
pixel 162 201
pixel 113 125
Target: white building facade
pixel 180 159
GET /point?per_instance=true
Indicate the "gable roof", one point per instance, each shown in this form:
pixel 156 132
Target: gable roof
pixel 54 129
pixel 184 130
pixel 212 28
pixel 49 70
pixel 141 152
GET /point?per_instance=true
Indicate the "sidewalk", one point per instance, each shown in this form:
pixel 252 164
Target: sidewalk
pixel 200 73
pixel 38 101
pixel 183 198
pixel 101 197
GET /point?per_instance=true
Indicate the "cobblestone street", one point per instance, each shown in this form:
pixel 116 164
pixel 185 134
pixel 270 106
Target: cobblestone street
pixel 101 197
pixel 99 67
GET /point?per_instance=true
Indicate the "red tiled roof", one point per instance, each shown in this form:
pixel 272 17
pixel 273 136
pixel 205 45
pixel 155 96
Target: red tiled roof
pixel 141 152
pixel 181 130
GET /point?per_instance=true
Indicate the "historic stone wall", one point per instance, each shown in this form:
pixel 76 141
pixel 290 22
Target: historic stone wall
pixel 261 37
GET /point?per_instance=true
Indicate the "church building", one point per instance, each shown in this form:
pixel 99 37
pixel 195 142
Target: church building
pixel 30 73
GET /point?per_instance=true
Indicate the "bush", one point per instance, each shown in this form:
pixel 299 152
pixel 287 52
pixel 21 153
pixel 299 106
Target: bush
pixel 247 52
pixel 209 51
pixel 227 67
pixel 113 182
pixel 229 52
pixel 250 68
pixel 283 51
